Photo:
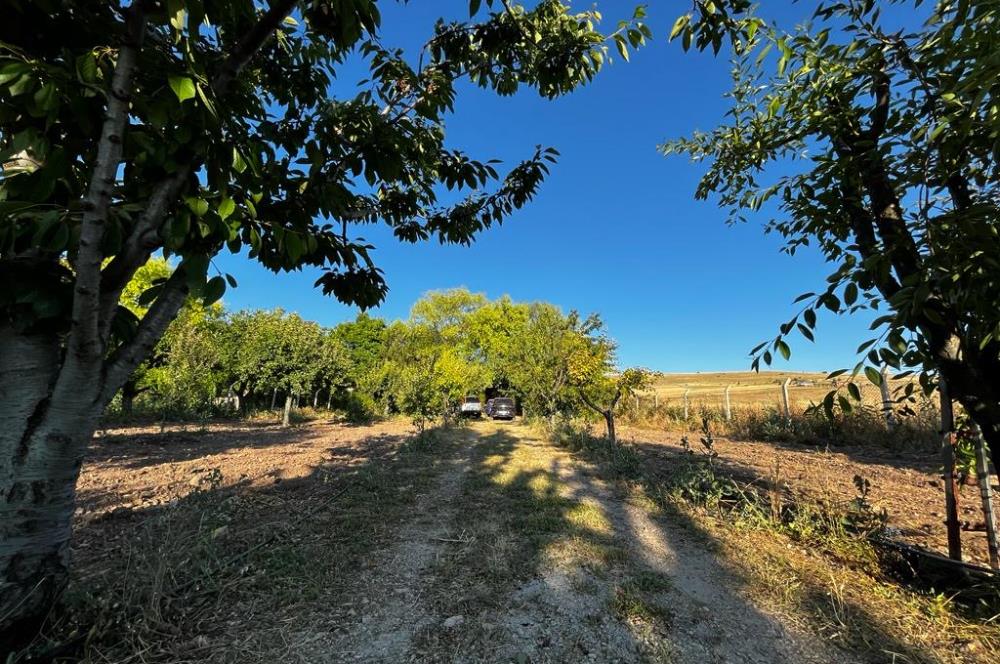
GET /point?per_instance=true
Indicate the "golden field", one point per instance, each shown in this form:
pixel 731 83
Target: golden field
pixel 751 389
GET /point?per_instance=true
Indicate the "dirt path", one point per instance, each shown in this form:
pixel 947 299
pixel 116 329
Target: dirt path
pixel 520 553
pixel 392 590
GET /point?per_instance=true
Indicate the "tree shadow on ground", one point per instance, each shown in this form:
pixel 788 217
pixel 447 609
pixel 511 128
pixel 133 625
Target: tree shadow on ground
pixel 145 447
pixel 222 573
pixel 912 502
pixel 833 614
pixel 559 565
pixel 667 540
pixel 544 557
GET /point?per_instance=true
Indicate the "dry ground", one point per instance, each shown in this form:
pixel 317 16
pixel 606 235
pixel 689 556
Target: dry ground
pixel 906 485
pixel 330 543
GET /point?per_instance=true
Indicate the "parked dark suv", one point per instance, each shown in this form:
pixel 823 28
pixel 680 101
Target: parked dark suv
pixel 501 408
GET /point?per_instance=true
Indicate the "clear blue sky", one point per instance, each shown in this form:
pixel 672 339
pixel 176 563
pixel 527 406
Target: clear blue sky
pixel 615 230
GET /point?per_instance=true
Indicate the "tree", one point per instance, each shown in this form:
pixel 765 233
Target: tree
pixel 539 368
pixel 188 126
pixel 599 385
pixel 493 333
pixel 429 364
pixel 187 374
pixel 878 145
pixel 362 340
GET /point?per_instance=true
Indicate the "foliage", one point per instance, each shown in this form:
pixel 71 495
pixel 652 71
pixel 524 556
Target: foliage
pixel 362 341
pixel 231 139
pixel 878 145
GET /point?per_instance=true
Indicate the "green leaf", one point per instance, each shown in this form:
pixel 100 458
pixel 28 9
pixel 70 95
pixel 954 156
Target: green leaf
pixel 195 268
pixel 199 206
pixel 810 316
pixel 239 165
pixel 622 47
pixel 855 391
pixel 783 348
pixel 213 290
pixel 873 375
pixel 226 208
pixel 474 6
pixel 46 97
pixel 12 71
pixel 679 25
pixel 850 294
pixel 147 296
pixel 183 87
pixel 86 68
pixel 293 246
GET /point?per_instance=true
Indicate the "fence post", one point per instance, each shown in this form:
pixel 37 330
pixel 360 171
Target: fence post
pixel 656 401
pixel 890 420
pixel 686 403
pixel 950 479
pixel 784 398
pixel 729 412
pixel 986 493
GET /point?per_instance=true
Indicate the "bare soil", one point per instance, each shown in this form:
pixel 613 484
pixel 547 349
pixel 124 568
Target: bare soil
pixel 906 485
pixel 329 543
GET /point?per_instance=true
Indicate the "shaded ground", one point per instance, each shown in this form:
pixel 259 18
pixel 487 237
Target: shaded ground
pixel 327 543
pixel 907 485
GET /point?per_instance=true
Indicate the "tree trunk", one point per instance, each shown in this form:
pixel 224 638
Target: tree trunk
pixel 977 387
pixel 274 398
pixel 609 420
pixel 129 392
pixel 286 417
pixel 41 445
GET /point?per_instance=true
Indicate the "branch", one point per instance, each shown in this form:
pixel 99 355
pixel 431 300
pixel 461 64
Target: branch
pixel 864 235
pixel 144 237
pixel 589 403
pixel 618 396
pixel 129 355
pixel 85 341
pixel 880 112
pixel 250 44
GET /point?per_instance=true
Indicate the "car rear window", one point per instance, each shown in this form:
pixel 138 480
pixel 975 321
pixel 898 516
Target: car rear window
pixel 503 402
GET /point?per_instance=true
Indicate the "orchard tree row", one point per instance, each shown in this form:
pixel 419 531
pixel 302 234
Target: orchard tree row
pixel 455 343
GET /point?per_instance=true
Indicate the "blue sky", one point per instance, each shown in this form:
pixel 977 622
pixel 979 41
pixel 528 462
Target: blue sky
pixel 615 229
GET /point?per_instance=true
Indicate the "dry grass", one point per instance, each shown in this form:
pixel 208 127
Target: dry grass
pixel 753 389
pixel 217 574
pixel 813 571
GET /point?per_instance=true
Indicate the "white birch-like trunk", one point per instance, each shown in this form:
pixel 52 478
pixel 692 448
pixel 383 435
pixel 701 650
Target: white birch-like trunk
pixel 41 446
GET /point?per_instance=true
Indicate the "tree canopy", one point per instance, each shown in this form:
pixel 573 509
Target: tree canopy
pixel 878 144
